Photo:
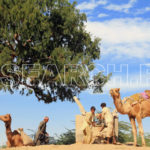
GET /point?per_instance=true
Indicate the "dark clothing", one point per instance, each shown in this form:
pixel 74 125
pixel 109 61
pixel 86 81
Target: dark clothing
pixel 42 127
pixel 41 134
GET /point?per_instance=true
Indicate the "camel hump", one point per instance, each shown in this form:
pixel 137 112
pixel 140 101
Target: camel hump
pixel 135 97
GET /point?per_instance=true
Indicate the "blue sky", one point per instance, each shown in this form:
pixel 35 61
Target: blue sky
pixel 124 27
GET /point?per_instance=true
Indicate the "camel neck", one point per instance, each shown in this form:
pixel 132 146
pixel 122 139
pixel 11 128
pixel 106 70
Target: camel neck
pixel 8 128
pixel 118 104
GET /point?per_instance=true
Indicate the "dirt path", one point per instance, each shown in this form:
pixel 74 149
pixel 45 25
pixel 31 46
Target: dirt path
pixel 81 147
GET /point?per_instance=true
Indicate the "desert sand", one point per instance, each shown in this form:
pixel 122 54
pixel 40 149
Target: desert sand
pixel 81 147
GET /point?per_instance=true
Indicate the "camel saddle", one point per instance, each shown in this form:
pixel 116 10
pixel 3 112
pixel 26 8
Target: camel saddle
pixel 137 98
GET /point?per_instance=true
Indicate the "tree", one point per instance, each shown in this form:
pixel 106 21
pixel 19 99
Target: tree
pixel 125 132
pixel 66 138
pixel 37 39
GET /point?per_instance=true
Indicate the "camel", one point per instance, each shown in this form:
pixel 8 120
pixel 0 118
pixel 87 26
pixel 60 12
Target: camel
pixel 27 141
pixel 138 111
pixel 14 138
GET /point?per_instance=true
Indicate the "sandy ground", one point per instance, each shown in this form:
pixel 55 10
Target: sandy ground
pixel 81 147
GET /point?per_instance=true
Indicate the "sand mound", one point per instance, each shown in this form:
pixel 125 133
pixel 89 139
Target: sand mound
pixel 80 147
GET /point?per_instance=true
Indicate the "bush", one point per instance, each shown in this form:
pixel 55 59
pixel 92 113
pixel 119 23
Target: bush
pixel 66 138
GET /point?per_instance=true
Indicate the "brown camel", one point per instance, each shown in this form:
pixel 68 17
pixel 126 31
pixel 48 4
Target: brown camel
pixel 137 111
pixel 14 138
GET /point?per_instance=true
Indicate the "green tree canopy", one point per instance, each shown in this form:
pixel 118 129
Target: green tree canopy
pixel 45 49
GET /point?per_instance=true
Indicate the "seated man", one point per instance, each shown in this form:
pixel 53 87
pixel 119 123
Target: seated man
pixel 42 136
pixel 107 116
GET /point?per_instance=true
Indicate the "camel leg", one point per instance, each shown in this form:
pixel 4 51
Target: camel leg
pixel 8 144
pixel 141 131
pixel 134 130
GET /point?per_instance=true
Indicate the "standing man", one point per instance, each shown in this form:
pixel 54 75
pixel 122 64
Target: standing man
pixel 87 125
pixel 42 136
pixel 88 122
pixel 108 117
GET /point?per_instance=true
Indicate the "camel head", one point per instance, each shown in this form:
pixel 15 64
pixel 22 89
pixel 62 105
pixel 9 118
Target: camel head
pixel 115 93
pixel 6 119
